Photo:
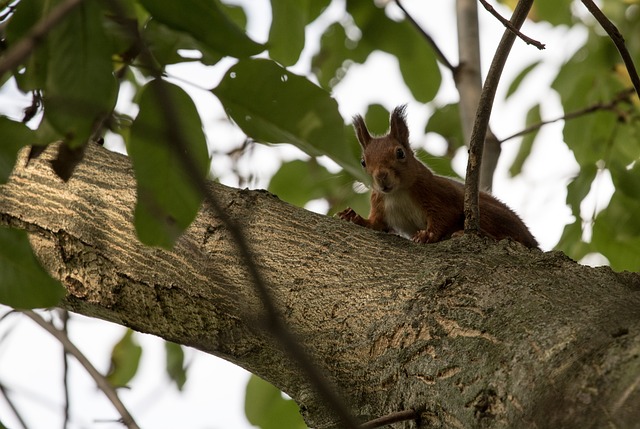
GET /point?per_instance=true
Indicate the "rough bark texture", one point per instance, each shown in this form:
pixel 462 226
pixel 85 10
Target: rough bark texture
pixel 473 333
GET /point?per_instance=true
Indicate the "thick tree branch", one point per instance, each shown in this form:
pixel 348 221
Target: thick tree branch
pixel 473 333
pixel 481 124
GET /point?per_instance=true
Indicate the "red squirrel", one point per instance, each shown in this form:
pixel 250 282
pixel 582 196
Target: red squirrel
pixel 408 199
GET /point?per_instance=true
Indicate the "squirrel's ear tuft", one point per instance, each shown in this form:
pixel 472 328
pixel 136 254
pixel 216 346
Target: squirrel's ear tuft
pixel 398 125
pixel 361 131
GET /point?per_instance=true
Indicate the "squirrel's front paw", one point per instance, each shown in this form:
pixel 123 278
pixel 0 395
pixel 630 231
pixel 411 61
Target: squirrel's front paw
pixel 423 236
pixel 348 214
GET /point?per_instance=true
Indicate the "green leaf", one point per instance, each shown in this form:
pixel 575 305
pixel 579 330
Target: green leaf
pixel 13 136
pixel 377 119
pixel 205 21
pixel 286 36
pixel 175 364
pixel 533 117
pixel 25 284
pixel 165 44
pixel 168 200
pixel 446 122
pixel 272 105
pixel 616 233
pixel 80 89
pixel 266 408
pixel 125 358
pixel 440 165
pixel 556 12
pixel 513 87
pixel 416 59
pixel 330 63
pixel 27 14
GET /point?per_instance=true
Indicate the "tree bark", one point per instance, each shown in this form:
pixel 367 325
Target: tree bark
pixel 470 332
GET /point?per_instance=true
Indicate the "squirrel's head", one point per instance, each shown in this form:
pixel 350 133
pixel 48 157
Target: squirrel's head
pixel 389 158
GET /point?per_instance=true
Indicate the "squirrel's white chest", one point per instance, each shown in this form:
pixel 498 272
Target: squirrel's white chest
pixel 403 215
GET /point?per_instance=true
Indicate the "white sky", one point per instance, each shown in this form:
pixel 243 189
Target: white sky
pixel 30 364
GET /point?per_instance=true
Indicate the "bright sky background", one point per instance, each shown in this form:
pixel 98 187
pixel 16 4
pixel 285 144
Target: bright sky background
pixel 30 360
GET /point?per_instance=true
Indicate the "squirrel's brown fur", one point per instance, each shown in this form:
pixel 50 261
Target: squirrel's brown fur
pixel 408 199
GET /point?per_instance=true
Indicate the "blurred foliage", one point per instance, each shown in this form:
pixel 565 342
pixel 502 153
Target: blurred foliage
pixel 81 67
pixel 125 358
pixel 266 408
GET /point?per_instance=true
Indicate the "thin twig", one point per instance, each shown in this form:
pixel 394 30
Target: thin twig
pixel 64 316
pixel 25 46
pixel 399 416
pixel 622 97
pixel 439 54
pixel 274 323
pixel 481 124
pixel 14 410
pixel 102 383
pixel 617 39
pixel 514 30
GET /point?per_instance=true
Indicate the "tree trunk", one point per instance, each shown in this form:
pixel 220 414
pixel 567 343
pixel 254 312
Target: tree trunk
pixel 472 333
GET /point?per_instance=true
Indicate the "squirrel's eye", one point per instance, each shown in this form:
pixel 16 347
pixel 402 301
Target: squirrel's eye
pixel 364 164
pixel 400 153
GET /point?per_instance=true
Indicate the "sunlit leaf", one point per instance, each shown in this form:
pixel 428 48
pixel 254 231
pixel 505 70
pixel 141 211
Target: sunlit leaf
pixel 25 284
pixel 266 408
pixel 273 105
pixel 206 22
pixel 80 89
pixel 125 358
pixel 175 364
pixel 167 201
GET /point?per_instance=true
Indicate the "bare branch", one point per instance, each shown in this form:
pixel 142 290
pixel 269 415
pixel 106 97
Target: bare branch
pixel 620 98
pixel 506 23
pixel 23 48
pixel 100 380
pixel 14 410
pixel 439 54
pixel 481 124
pixel 617 39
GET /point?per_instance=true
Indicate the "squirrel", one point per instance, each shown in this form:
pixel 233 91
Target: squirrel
pixel 410 200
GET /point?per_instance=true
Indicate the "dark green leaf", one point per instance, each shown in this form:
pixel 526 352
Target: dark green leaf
pixel 513 87
pixel 168 201
pixel 446 122
pixel 13 136
pixel 440 165
pixel 175 364
pixel 165 44
pixel 27 14
pixel 533 117
pixel 25 284
pixel 266 408
pixel 416 60
pixel 616 232
pixel 80 90
pixel 286 36
pixel 330 63
pixel 377 119
pixel 125 358
pixel 273 105
pixel 205 21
